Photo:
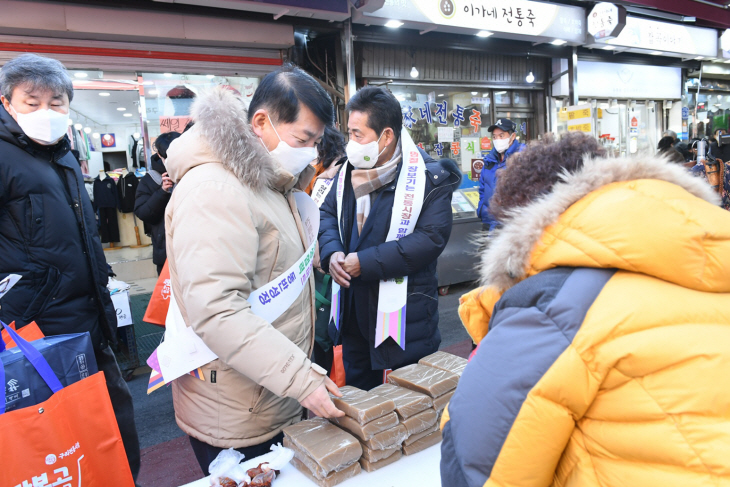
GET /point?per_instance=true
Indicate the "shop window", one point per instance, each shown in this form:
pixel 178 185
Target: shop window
pixel 521 98
pixel 448 122
pixel 168 98
pixel 502 98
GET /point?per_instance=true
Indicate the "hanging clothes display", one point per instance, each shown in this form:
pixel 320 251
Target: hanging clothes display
pixel 133 145
pixel 126 189
pixel 105 203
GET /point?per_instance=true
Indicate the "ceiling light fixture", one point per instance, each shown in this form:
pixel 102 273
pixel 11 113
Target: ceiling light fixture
pixel 530 78
pixel 167 75
pixel 474 93
pixel 414 72
pixel 87 130
pixel 154 92
pixel 484 33
pixel 559 42
pixel 656 53
pixel 609 47
pixel 699 58
pixel 70 122
pixel 81 75
pixel 485 95
pixel 104 93
pixel 96 135
pixel 127 114
pixel 78 126
pixel 500 93
pixel 441 94
pixel 136 135
pixel 400 97
pixel 210 76
pixel 121 109
pixel 393 24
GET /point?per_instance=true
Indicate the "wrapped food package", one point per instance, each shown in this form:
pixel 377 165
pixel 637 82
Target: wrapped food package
pixel 388 438
pixel 442 401
pixel 376 455
pixel 362 406
pixel 414 438
pixel 445 361
pixel 326 444
pixel 407 402
pixel 333 478
pixel 423 443
pixel 424 379
pixel 369 466
pixel 368 430
pixel 421 421
pixel 317 471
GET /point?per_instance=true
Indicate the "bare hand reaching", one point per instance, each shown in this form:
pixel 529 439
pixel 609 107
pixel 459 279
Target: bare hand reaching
pixel 319 401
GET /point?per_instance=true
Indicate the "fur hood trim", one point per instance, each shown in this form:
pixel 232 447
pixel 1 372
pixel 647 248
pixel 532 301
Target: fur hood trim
pixel 505 263
pixel 222 119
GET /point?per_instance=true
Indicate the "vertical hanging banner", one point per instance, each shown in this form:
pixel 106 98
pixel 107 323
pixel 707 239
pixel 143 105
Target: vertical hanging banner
pixel 580 119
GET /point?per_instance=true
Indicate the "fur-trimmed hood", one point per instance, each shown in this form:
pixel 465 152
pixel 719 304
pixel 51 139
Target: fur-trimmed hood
pixel 641 214
pixel 222 133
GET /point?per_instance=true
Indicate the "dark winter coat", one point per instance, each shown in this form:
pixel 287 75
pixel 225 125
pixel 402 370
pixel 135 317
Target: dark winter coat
pixel 149 206
pixel 414 256
pixel 48 235
pixel 126 191
pixel 488 181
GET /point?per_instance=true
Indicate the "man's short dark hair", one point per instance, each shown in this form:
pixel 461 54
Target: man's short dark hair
pixel 665 143
pixel 162 143
pixel 282 91
pixel 382 108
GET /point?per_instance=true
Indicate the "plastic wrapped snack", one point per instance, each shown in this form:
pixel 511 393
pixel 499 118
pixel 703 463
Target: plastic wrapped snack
pixel 333 478
pixel 367 431
pixel 442 401
pixel 369 466
pixel 226 471
pixel 424 379
pixel 376 455
pixel 388 438
pixel 407 402
pixel 329 446
pixel 421 421
pixel 414 438
pixel 362 406
pixel 445 361
pixel 423 443
pixel 317 471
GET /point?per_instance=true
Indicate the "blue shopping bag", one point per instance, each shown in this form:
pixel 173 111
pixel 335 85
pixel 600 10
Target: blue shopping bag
pixel 33 371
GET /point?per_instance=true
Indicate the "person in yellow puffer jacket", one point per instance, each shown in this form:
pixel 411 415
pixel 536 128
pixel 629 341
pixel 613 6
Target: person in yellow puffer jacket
pixel 606 298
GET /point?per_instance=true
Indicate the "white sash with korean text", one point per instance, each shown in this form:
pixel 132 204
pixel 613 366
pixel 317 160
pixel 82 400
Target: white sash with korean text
pixel 183 351
pixel 321 189
pixel 407 203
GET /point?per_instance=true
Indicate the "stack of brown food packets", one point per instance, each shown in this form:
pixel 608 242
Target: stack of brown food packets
pixel 373 420
pixel 439 386
pixel 323 452
pixel 450 363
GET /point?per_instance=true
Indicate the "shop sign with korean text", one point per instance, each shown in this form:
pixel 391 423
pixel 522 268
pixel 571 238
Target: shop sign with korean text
pixel 606 20
pixel 509 16
pixel 580 119
pixel 629 81
pixel 663 36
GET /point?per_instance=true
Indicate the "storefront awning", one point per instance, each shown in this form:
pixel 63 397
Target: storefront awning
pixel 717 15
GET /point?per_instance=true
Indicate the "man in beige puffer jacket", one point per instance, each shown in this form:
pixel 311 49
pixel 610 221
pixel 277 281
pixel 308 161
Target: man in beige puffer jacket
pixel 232 226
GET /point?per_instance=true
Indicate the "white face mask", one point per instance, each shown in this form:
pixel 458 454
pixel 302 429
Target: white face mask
pixel 292 159
pixel 364 156
pixel 43 126
pixel 502 144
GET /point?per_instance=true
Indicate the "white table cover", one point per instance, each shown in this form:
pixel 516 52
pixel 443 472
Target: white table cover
pixel 421 469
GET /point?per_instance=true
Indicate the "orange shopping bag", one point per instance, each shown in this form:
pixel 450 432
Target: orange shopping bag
pixel 30 332
pixel 160 300
pixel 70 439
pixel 338 367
